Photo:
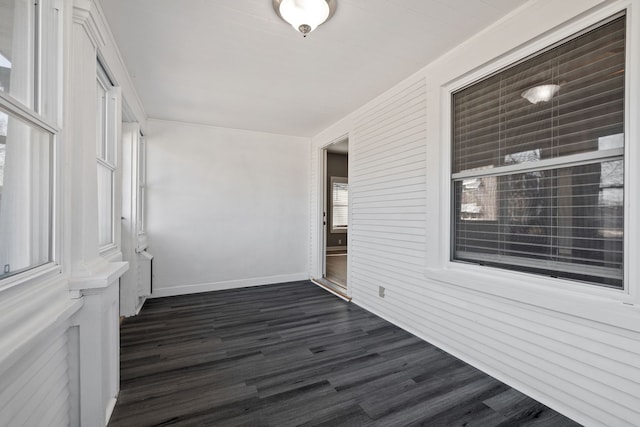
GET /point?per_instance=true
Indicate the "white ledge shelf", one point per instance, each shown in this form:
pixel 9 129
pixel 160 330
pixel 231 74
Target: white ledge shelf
pixel 100 278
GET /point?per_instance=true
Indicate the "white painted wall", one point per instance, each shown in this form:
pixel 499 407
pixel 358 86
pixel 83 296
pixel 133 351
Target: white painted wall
pixel 575 348
pixel 226 208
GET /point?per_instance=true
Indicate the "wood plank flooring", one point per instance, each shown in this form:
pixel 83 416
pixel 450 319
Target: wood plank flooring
pixel 292 354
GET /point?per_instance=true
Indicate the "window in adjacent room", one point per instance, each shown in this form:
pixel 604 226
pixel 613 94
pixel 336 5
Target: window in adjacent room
pixel 339 204
pixel 538 162
pixel 28 117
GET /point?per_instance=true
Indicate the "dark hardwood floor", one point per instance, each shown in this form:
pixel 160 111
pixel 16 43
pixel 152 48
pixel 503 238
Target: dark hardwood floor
pixel 293 354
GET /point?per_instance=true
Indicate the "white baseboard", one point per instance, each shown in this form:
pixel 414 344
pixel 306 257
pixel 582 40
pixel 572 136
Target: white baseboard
pixel 336 248
pixel 110 407
pixel 229 284
pixel 144 299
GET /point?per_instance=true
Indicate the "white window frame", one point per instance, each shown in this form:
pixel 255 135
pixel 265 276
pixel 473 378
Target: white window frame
pixel 521 263
pixel 46 116
pixel 567 296
pixel 109 158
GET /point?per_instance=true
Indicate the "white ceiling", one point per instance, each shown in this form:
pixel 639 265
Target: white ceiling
pixel 235 64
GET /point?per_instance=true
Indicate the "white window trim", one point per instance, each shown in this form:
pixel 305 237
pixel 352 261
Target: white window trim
pixel 609 305
pixel 113 117
pixel 35 274
pixel 27 114
pixel 50 82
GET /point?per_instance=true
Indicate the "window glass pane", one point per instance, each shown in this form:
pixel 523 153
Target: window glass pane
pixel 566 222
pixel 142 160
pixel 25 195
pixel 141 210
pixel 105 142
pixel 49 60
pixel 105 205
pixel 17 50
pixel 520 201
pixel 101 117
pixel 558 103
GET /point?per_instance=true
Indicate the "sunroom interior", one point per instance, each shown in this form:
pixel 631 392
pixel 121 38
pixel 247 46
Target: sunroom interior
pixel 155 149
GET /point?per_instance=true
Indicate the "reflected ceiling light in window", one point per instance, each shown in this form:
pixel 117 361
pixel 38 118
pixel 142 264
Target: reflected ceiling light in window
pixel 541 93
pixel 305 15
pixel 4 62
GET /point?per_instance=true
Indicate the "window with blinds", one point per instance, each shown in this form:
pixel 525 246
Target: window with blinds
pixel 538 162
pixel 339 204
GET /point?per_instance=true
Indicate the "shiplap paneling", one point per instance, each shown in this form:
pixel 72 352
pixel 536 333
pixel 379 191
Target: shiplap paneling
pixel 387 183
pixel 36 392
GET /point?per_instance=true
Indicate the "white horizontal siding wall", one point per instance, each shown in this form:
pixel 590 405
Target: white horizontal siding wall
pixel 573 348
pixel 387 194
pixel 36 391
pixel 38 356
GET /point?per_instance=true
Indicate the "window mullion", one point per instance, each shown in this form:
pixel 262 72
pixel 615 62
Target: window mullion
pixel 25 113
pixel 541 165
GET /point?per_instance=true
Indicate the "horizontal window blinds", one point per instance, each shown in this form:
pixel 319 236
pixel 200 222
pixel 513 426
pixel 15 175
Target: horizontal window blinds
pixel 340 213
pixel 537 161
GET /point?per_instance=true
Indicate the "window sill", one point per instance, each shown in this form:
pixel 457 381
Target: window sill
pixel 41 273
pixel 111 253
pixel 608 306
pixel 101 278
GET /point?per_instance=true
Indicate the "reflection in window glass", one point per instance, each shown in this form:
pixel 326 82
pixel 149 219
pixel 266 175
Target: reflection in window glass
pixel 25 195
pixel 17 49
pixel 479 199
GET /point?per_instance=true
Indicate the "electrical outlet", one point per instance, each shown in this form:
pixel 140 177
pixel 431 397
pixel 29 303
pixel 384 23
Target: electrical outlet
pixel 339 241
pixel 7 268
pixel 381 291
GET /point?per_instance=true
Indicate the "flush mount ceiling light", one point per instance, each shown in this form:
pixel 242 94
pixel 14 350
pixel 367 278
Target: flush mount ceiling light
pixel 304 15
pixel 542 93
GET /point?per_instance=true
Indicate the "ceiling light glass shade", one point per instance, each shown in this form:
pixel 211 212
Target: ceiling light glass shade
pixel 304 15
pixel 542 93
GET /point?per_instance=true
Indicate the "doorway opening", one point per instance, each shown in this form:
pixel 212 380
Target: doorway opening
pixel 335 220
